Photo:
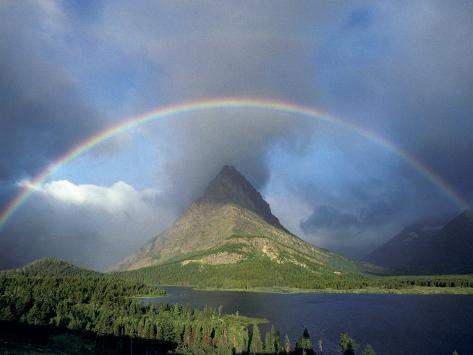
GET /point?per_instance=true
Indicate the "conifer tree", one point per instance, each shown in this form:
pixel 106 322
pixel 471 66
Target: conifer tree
pixel 347 344
pixel 7 314
pixel 304 344
pixel 186 338
pixel 276 338
pixel 369 350
pixel 197 336
pixel 256 345
pixel 269 343
pixel 287 344
pixel 149 331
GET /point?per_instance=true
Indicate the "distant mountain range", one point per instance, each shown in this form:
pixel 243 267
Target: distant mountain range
pixel 229 237
pixel 437 246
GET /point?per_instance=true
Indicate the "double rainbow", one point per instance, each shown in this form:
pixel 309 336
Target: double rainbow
pixel 225 103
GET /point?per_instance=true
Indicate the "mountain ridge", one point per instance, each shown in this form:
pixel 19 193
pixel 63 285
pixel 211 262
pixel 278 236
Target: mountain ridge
pixel 442 247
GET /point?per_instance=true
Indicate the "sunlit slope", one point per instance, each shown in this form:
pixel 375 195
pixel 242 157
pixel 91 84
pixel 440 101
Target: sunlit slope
pixel 210 235
pixel 224 240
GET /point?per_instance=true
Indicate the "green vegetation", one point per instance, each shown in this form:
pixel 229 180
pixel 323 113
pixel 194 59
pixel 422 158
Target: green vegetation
pixel 50 267
pixel 214 234
pixel 81 311
pixel 260 274
pixel 369 350
pixel 101 314
pixel 87 314
pixel 253 271
pixel 229 239
pixel 105 306
pixel 361 291
pixel 347 344
pixel 442 281
pixel 304 344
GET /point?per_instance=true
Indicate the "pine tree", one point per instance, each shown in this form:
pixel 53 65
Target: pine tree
pixel 347 344
pixel 287 344
pixel 149 330
pixel 7 314
pixel 269 343
pixel 256 345
pixel 304 344
pixel 186 338
pixel 276 340
pixel 197 336
pixel 369 350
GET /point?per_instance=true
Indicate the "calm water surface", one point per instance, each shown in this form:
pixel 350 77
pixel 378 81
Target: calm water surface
pixel 392 324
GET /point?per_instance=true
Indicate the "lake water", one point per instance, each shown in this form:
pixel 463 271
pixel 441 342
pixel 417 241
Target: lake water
pixel 392 324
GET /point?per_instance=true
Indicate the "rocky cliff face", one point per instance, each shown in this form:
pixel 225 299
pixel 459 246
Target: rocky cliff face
pixel 231 187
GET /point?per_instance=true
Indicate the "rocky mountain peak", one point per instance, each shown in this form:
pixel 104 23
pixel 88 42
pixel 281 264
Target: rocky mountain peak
pixel 231 187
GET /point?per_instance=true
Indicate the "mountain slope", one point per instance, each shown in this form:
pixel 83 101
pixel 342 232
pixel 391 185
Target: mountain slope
pixel 230 231
pixel 430 248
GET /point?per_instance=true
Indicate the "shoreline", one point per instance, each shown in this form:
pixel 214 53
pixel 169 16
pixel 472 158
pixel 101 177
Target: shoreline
pixel 364 291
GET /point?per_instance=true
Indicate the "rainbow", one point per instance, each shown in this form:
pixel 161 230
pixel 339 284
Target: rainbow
pixel 222 103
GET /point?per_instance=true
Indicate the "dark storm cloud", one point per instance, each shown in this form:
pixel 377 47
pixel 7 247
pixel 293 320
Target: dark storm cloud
pixel 374 203
pixel 208 50
pixel 328 217
pixel 41 108
pixel 200 50
pixel 407 72
pixel 401 69
pixel 404 70
pixel 43 113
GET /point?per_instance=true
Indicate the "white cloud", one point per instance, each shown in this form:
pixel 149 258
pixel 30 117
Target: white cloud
pixel 92 225
pixel 118 197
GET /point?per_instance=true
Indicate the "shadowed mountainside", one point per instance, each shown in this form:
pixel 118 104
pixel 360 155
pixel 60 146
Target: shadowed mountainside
pixel 434 247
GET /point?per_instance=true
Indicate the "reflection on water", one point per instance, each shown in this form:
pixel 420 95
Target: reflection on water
pixel 392 324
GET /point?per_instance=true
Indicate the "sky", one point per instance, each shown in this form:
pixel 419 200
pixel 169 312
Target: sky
pixel 401 70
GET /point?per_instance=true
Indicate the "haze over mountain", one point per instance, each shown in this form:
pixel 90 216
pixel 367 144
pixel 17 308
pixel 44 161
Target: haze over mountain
pixel 431 247
pixel 231 230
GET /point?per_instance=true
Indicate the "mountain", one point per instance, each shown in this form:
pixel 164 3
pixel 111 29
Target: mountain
pixel 231 187
pixel 50 267
pixel 231 234
pixel 440 247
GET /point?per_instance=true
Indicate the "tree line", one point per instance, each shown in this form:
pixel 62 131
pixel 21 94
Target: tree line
pixel 107 306
pixel 262 273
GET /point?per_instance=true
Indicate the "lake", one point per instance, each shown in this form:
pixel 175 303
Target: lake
pixel 392 324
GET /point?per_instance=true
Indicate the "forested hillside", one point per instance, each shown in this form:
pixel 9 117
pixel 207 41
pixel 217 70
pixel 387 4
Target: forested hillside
pixel 50 267
pixel 102 315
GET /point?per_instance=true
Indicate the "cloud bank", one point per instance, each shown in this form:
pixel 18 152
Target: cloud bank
pixel 92 225
pixel 403 70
